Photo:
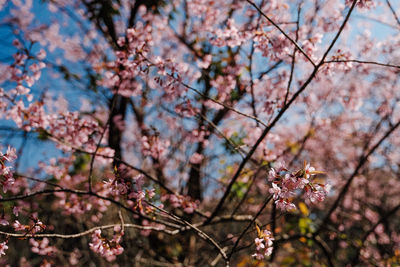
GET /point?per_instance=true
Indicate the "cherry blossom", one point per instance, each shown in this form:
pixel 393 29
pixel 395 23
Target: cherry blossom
pixel 285 185
pixel 3 248
pixel 7 179
pixel 263 243
pixel 42 247
pixel 106 248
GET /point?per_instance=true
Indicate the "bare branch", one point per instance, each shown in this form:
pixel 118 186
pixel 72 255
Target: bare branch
pixel 87 232
pixel 363 62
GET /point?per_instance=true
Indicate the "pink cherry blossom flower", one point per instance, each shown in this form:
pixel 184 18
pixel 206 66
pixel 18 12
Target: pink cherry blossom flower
pixel 16 210
pixel 41 55
pixel 18 226
pixel 275 190
pixel 11 154
pixel 259 243
pixel 3 221
pixel 272 175
pixel 3 248
pixel 196 158
pixel 309 170
pixel 285 205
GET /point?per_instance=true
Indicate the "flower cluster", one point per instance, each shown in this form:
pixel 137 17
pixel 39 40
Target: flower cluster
pixel 286 183
pixel 122 184
pixel 184 202
pixel 154 147
pixel 196 158
pixel 73 130
pixel 109 249
pixel 34 227
pixel 263 244
pixel 135 61
pixel 272 45
pixel 3 247
pixel 42 247
pixel 9 156
pixel 74 205
pixel 225 85
pixel 69 129
pixel 25 76
pixel 343 62
pixel 186 109
pixel 116 187
pixel 231 36
pixel 5 172
pixel 362 3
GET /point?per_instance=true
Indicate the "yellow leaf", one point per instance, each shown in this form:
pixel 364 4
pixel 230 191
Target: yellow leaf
pixel 303 208
pixel 258 231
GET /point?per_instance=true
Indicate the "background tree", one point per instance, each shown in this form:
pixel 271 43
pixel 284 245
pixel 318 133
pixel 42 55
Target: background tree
pixel 199 133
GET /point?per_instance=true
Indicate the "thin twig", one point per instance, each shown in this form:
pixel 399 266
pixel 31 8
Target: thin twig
pixel 224 105
pixel 200 233
pixel 363 62
pixel 293 55
pixel 282 31
pixel 87 232
pixel 249 225
pixel 393 11
pixel 90 178
pixel 230 143
pixel 122 221
pixel 80 192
